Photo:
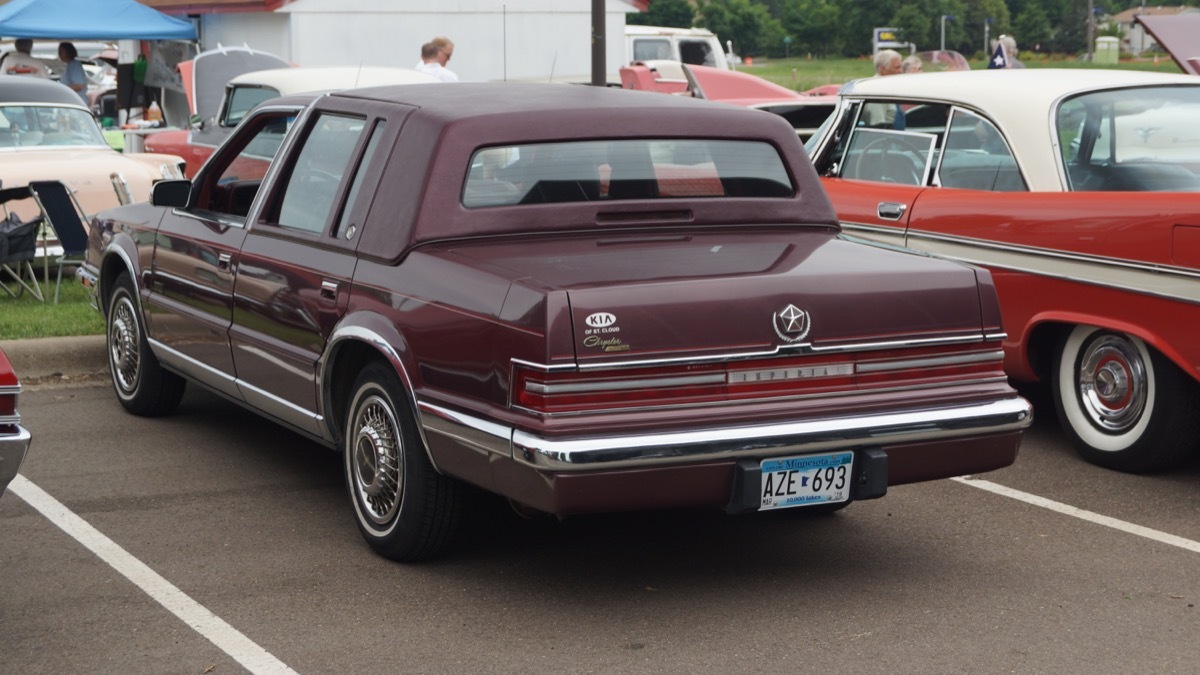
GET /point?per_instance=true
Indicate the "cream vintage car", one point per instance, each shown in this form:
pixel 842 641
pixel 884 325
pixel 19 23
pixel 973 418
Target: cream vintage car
pixel 46 133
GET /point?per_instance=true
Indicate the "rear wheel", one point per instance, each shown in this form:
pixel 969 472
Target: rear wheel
pixel 1123 405
pixel 141 384
pixel 405 509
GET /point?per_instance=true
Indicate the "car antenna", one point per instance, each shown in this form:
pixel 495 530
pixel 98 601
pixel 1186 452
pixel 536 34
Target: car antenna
pixel 358 75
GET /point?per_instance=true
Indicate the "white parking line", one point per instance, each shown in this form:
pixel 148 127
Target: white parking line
pixel 251 656
pixel 1092 517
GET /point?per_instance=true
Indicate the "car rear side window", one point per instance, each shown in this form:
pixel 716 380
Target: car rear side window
pixel 320 167
pixel 976 157
pixel 587 171
pixel 1131 140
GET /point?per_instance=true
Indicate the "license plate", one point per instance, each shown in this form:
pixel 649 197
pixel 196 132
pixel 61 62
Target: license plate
pixel 806 480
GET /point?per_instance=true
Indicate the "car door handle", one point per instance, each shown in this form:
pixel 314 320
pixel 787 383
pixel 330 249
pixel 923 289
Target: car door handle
pixel 223 261
pixel 891 210
pixel 329 289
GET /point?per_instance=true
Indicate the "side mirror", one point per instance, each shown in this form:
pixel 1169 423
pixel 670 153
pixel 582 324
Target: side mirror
pixel 174 193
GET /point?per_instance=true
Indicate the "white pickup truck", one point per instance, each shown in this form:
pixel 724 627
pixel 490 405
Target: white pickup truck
pixel 696 46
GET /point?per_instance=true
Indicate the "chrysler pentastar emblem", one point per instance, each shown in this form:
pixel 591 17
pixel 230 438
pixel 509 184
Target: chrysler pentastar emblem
pixel 791 323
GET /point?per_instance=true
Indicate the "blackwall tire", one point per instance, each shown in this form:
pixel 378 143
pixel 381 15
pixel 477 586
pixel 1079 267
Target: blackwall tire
pixel 1123 405
pixel 141 384
pixel 404 508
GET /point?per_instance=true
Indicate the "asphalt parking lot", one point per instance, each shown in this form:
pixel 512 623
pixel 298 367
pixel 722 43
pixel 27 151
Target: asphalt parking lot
pixel 212 542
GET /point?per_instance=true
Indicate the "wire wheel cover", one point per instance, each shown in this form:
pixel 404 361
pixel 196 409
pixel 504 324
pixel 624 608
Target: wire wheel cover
pixel 124 346
pixel 378 461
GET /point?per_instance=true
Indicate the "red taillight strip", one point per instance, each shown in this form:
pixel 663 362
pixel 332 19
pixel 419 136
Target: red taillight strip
pixel 563 390
pixel 623 385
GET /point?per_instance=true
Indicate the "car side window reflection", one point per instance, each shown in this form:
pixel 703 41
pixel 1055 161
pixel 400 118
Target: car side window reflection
pixel 321 164
pixel 230 189
pixel 975 157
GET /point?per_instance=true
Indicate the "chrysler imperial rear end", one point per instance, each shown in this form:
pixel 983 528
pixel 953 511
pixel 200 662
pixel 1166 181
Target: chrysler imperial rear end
pixel 582 300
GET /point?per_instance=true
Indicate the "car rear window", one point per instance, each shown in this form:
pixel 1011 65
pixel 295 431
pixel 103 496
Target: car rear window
pixel 1131 140
pixel 585 171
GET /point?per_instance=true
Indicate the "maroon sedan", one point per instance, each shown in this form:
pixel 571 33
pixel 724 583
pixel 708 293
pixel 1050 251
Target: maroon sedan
pixel 580 299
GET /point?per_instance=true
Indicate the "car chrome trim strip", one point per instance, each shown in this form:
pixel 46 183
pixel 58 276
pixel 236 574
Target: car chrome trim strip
pixel 797 350
pixel 626 452
pixel 287 411
pixel 206 374
pixel 477 434
pixel 932 362
pixel 361 334
pixel 1161 281
pixel 1147 278
pixel 623 385
pixel 9 420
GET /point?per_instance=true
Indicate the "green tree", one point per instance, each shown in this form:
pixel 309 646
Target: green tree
pixel 916 26
pixel 674 13
pixel 751 27
pixel 815 27
pixel 978 12
pixel 1032 28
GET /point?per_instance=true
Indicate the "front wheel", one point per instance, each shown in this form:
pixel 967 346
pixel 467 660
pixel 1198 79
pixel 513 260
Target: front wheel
pixel 141 384
pixel 1123 405
pixel 405 509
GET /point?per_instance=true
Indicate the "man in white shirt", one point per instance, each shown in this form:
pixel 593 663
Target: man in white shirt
pixel 20 62
pixel 434 58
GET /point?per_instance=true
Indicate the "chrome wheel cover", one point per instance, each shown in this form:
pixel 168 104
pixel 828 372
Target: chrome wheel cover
pixel 1112 383
pixel 124 355
pixel 377 460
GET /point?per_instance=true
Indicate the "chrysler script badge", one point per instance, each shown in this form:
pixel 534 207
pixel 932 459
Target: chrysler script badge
pixel 791 324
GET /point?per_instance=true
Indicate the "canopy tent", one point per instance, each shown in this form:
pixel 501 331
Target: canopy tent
pixel 90 20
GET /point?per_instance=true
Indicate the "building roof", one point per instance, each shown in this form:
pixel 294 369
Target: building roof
pixel 1159 10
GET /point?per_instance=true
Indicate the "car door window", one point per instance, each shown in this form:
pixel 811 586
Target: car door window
pixel 359 174
pixel 976 157
pixel 887 156
pixel 321 164
pixel 232 182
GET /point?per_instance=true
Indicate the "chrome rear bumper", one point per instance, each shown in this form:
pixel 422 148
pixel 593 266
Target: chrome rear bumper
pixel 732 442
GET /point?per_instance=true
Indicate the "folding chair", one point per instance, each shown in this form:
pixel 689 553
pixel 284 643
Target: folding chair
pixel 65 215
pixel 18 245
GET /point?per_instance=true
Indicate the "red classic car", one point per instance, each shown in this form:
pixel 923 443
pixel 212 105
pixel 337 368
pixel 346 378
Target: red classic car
pixel 14 439
pixel 582 299
pixel 804 111
pixel 1080 190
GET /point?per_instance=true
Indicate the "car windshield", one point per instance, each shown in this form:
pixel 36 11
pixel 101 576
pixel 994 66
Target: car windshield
pixel 1141 141
pixel 24 126
pixel 632 169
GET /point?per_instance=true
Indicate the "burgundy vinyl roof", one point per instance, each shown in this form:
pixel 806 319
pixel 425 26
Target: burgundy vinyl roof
pixel 446 123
